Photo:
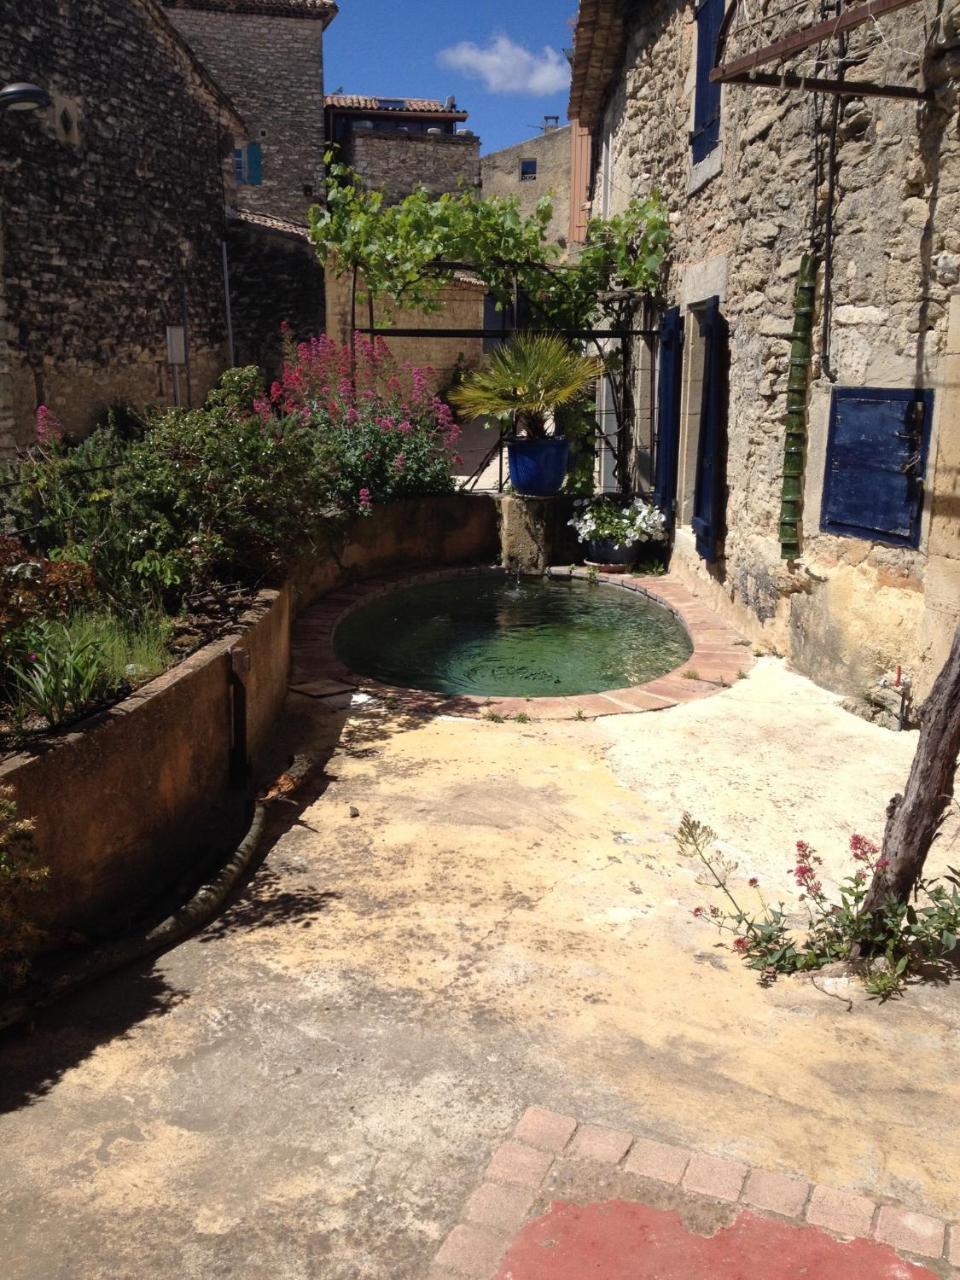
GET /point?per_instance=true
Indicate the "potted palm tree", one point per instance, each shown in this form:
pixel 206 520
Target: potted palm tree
pixel 523 383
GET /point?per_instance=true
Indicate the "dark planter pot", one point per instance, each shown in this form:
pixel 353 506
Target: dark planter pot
pixel 538 467
pixel 607 552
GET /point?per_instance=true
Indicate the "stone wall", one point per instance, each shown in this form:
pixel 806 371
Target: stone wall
pixel 126 803
pixel 500 176
pixel 111 211
pixel 275 279
pixel 462 308
pixel 272 67
pixel 395 163
pixel 848 609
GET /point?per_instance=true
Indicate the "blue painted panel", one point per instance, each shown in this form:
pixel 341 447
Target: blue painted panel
pixel 668 412
pixel 876 457
pixel 708 496
pixel 254 164
pixel 706 105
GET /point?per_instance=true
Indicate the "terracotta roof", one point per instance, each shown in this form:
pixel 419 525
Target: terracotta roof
pixel 272 224
pixel 421 106
pixel 325 10
pixel 597 53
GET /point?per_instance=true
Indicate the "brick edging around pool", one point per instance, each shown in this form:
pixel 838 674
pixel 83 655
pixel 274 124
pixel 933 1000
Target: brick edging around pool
pixel 720 655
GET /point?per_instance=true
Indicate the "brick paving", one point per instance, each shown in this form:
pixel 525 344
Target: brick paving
pixel 565 1200
pixel 720 656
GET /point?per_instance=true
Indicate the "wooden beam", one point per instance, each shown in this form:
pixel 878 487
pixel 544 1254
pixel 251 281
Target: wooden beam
pixel 817 84
pixel 424 332
pixel 806 36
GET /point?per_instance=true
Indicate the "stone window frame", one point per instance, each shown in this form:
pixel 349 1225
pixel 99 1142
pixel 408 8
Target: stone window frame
pixel 701 281
pixel 528 176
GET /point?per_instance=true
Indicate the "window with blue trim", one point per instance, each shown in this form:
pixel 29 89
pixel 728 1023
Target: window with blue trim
pixel 248 164
pixel 876 457
pixel 706 103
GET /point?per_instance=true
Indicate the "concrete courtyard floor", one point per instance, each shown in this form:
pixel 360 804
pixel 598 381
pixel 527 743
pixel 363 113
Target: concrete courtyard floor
pixel 462 920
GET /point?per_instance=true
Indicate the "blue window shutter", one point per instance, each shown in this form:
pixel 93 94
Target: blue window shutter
pixel 708 493
pixel 668 411
pixel 254 164
pixel 706 103
pixel 876 457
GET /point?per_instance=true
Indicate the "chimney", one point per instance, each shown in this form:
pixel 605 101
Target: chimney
pixel 450 104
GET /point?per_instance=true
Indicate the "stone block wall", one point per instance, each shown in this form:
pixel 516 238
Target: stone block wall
pixel 500 176
pixel 275 279
pixel 272 67
pixel 111 211
pixel 849 609
pixel 396 163
pixel 462 308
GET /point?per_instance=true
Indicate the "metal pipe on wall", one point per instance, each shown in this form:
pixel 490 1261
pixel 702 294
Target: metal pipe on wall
pixel 228 308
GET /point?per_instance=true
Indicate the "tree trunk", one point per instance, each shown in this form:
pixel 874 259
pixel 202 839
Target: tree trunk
pixel 914 818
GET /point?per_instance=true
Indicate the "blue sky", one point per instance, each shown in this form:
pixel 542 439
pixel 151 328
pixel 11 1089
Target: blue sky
pixel 502 59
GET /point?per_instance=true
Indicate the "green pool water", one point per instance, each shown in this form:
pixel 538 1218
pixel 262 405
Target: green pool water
pixel 488 634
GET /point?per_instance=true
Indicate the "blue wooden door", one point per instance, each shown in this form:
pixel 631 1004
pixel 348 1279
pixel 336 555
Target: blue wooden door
pixel 668 412
pixel 876 456
pixel 708 497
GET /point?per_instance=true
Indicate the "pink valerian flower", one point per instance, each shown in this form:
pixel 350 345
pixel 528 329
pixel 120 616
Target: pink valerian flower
pixel 49 426
pixel 697 912
pixel 753 882
pixel 405 427
pixel 741 945
pixel 862 849
pixel 366 501
pixel 457 460
pixel 399 462
pixel 263 408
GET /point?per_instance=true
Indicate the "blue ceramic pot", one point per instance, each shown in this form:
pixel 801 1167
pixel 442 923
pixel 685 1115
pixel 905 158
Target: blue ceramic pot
pixel 538 467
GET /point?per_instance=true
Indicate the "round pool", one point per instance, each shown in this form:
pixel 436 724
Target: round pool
pixel 488 634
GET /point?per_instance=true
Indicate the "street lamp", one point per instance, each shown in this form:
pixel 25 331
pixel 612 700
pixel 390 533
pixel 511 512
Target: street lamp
pixel 23 97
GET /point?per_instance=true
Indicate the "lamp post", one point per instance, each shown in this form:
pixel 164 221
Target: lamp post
pixel 23 97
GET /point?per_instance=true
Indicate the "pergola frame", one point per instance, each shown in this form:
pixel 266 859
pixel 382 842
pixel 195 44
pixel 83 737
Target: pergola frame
pixel 743 70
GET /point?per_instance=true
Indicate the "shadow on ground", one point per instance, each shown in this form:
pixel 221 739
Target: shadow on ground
pixel 34 1057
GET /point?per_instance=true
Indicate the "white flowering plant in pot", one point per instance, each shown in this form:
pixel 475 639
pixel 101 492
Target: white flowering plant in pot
pixel 613 532
pixel 602 520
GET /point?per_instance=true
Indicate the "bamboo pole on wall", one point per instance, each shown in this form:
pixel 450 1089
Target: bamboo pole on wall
pixel 795 436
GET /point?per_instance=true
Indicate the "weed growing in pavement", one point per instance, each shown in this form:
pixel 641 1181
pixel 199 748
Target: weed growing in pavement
pixel 895 942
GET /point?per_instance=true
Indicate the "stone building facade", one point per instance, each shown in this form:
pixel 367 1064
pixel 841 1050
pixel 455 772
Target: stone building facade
pixel 396 145
pixel 112 213
pixel 268 56
pixel 395 163
pixel 539 167
pixel 872 184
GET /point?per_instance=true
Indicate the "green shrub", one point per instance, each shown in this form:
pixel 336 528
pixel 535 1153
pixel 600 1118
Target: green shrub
pixel 74 665
pixel 384 432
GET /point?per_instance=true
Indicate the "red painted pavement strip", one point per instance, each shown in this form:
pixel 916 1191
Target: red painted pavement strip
pixel 617 1240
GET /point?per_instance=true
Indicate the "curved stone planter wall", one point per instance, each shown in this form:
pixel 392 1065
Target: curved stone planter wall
pixel 124 803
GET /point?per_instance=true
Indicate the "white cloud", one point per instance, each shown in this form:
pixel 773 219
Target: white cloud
pixel 506 67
